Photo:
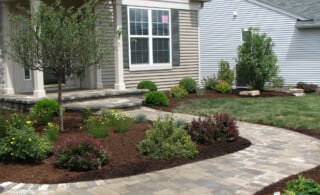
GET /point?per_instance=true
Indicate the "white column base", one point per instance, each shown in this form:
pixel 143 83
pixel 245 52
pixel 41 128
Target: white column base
pixel 119 86
pixel 8 91
pixel 39 93
pixel 99 78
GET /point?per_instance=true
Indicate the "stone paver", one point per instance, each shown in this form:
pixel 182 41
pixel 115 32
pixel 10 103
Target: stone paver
pixel 275 153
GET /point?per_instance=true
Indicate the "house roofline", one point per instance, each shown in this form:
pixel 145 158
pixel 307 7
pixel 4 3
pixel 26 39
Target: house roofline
pixel 277 9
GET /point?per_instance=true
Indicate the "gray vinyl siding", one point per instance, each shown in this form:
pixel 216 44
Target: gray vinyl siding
pixel 1 75
pixel 108 66
pixel 298 51
pixel 1 62
pixel 189 57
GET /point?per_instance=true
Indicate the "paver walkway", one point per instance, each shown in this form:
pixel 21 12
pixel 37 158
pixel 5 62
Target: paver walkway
pixel 275 153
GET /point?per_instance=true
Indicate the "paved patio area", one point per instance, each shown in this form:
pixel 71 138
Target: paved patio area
pixel 275 153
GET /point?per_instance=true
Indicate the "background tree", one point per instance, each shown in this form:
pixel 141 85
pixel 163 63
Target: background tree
pixel 58 40
pixel 256 63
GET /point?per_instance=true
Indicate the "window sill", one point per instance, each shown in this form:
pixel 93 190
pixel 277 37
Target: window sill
pixel 143 67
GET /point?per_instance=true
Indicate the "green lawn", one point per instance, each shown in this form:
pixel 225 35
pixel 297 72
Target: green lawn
pixel 287 112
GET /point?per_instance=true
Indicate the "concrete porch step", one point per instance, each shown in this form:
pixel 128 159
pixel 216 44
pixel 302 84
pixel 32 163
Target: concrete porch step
pixel 110 103
pixel 108 97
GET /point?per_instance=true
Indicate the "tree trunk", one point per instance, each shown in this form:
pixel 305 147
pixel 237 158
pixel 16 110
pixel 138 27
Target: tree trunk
pixel 61 127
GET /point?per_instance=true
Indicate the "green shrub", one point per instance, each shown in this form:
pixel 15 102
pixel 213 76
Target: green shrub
pixel 97 126
pixel 147 85
pixel 140 118
pixel 18 120
pixel 302 186
pixel 24 145
pixel 86 113
pixel 178 92
pixel 189 84
pixel 223 87
pixel 206 130
pixel 225 73
pixel 80 154
pixel 156 98
pixel 166 141
pixel 277 82
pixel 307 88
pixel 51 132
pixel 211 82
pixel 256 62
pixel 44 110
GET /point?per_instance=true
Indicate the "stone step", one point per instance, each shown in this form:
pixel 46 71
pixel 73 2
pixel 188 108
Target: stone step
pixel 109 103
pixel 128 97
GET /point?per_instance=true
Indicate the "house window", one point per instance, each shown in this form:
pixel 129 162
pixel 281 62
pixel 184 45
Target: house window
pixel 27 73
pixel 149 38
pixel 246 35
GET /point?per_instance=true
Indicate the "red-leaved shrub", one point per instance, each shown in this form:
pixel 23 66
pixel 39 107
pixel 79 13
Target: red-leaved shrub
pixel 80 154
pixel 206 130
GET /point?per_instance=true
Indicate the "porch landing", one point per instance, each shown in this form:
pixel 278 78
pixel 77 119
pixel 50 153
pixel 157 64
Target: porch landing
pixel 78 99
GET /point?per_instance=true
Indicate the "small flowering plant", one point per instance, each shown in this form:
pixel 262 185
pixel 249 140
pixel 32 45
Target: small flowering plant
pixel 97 126
pixel 80 154
pixel 23 145
pixel 18 120
pixel 119 120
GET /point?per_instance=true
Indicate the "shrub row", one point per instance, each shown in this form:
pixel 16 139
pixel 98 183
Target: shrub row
pixel 167 139
pixel 157 98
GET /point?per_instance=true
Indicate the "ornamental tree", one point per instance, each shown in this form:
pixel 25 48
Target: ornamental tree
pixel 59 40
pixel 256 62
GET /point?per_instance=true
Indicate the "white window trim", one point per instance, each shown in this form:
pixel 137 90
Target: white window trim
pixel 150 36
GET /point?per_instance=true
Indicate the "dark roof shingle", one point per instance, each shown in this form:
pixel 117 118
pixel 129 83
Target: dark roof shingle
pixel 309 9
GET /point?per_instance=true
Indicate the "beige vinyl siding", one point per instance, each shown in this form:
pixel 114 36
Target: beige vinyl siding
pixel 189 58
pixel 108 66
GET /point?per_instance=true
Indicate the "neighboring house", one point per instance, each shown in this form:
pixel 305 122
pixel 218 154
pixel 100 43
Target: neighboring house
pixel 294 26
pixel 154 40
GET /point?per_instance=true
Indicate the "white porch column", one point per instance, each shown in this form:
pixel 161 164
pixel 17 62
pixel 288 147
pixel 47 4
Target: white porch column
pixel 8 69
pixel 38 82
pixel 99 78
pixel 119 77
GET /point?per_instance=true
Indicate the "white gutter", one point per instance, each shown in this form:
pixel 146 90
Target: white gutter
pixel 308 24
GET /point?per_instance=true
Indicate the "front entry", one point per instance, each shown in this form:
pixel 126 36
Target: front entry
pixel 50 79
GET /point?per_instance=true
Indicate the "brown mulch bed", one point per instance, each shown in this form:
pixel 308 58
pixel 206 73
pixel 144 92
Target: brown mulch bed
pixel 123 153
pixel 124 159
pixel 281 185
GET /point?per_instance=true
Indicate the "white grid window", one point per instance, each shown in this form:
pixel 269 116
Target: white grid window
pixel 149 38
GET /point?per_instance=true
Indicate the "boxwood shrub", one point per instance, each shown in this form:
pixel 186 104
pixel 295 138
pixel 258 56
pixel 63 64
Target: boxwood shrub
pixel 156 98
pixel 189 84
pixel 146 84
